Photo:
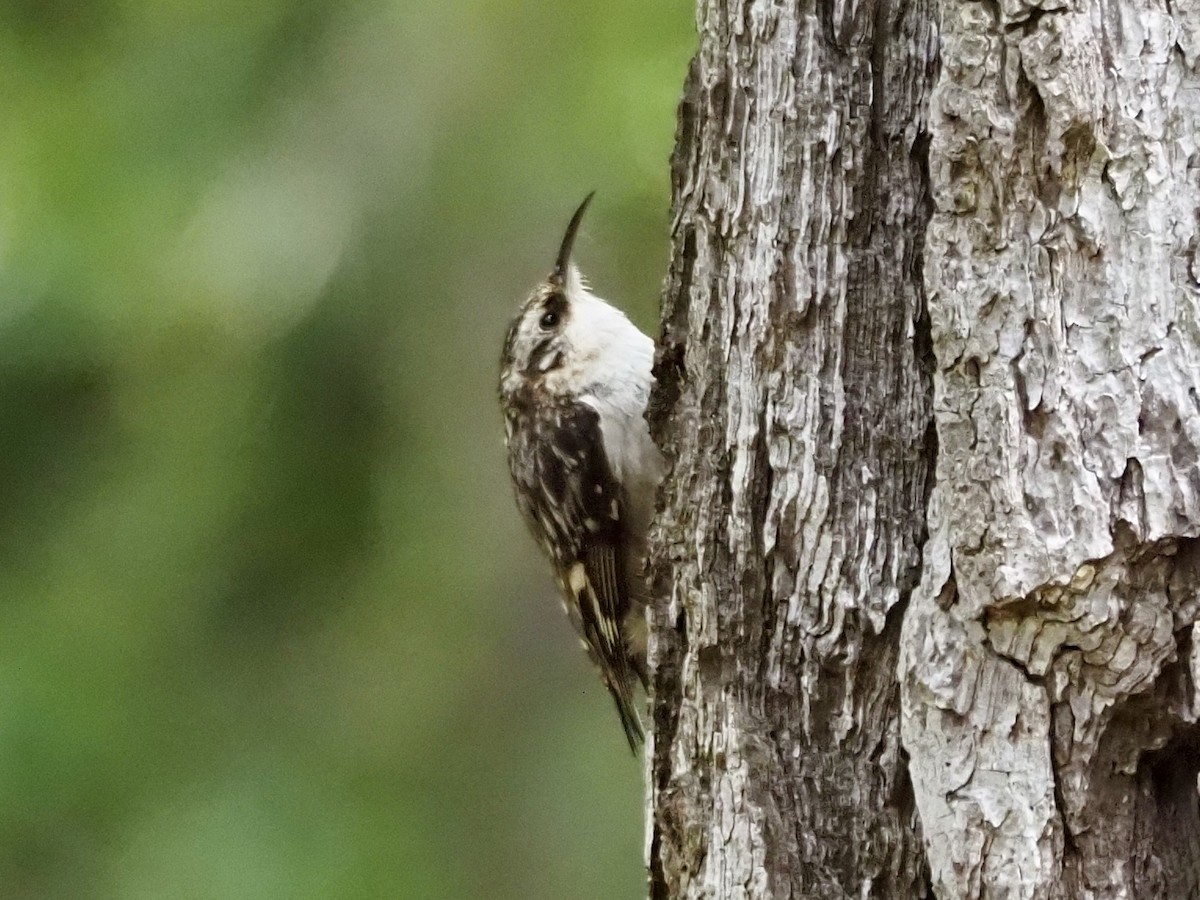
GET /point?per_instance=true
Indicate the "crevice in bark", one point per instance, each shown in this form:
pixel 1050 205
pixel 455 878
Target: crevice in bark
pixel 768 605
pixel 826 11
pixel 1033 125
pixel 1172 800
pixel 667 684
pixel 1176 822
pixel 659 890
pixel 1071 851
pixel 668 358
pixel 926 359
pixel 881 31
pixel 1028 23
pixel 903 797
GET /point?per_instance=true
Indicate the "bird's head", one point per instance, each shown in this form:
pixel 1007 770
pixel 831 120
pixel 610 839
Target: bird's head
pixel 565 339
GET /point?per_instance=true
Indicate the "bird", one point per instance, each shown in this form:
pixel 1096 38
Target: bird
pixel 575 378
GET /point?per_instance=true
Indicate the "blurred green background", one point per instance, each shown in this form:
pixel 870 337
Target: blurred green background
pixel 270 626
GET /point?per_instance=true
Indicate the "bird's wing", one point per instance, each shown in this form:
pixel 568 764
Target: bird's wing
pixel 573 504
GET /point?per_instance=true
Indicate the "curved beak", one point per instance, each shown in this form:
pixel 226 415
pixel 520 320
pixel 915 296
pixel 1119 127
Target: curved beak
pixel 559 275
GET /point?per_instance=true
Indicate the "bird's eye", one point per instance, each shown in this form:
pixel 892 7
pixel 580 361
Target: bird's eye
pixel 549 319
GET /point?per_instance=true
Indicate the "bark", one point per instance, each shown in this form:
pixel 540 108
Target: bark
pixel 1048 691
pixel 794 403
pixel 926 558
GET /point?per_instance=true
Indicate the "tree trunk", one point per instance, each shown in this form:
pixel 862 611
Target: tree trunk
pixel 928 383
pixel 1047 685
pixel 794 402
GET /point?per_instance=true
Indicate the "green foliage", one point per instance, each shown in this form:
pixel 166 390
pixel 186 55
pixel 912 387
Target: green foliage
pixel 269 623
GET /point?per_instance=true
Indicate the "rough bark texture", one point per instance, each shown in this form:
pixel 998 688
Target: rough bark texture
pixel 929 377
pixel 1048 689
pixel 795 404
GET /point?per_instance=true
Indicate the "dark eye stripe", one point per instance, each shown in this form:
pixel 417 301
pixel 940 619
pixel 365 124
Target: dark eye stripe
pixel 556 303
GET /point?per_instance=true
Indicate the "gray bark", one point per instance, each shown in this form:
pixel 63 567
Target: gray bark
pixel 925 561
pixel 1048 692
pixel 795 405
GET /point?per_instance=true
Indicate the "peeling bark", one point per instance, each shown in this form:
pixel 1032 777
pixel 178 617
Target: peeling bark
pixel 927 559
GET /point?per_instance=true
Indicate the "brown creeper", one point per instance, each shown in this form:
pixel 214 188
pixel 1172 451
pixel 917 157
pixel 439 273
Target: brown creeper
pixel 574 381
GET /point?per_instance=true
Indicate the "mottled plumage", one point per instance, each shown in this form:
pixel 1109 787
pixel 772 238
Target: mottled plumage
pixel 575 376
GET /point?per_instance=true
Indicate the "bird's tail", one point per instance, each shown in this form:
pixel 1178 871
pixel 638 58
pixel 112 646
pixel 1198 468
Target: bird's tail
pixel 622 695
